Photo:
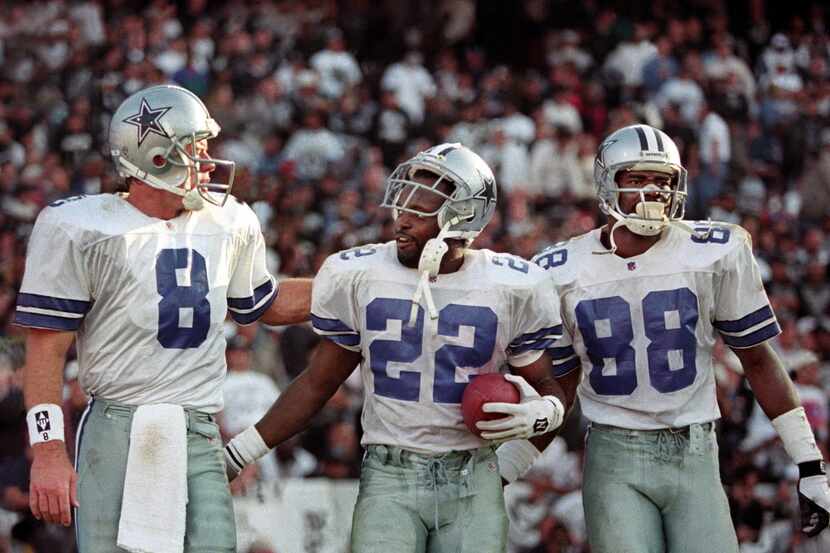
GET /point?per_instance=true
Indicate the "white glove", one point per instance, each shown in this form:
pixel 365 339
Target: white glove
pixel 814 502
pixel 532 416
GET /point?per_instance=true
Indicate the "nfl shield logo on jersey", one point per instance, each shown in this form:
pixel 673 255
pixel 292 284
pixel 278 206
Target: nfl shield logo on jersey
pixel 632 265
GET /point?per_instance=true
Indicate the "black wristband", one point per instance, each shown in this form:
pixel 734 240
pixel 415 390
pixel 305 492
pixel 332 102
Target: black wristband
pixel 811 468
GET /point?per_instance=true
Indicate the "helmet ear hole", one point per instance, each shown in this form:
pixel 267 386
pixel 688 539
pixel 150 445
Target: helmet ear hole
pixel 159 161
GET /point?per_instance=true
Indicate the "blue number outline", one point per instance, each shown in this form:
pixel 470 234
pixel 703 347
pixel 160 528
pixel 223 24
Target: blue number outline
pixel 551 259
pixel 173 297
pixel 406 387
pixel 513 263
pixel 617 345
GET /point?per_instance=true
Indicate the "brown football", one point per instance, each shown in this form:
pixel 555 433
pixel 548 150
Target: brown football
pixel 483 389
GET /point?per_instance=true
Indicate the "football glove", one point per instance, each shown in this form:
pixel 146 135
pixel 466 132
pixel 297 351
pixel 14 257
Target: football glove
pixel 532 416
pixel 814 503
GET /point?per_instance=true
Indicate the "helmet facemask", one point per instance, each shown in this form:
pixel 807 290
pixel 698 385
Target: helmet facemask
pixel 456 207
pixel 190 162
pixel 650 215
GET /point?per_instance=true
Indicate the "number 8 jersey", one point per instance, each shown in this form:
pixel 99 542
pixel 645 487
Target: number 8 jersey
pixel 643 328
pixel 496 309
pixel 147 297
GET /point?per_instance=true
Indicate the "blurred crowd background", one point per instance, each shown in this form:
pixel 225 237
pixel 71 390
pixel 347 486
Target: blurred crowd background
pixel 319 99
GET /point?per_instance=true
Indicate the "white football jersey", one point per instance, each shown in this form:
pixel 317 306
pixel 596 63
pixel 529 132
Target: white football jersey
pixel 496 309
pixel 147 297
pixel 643 328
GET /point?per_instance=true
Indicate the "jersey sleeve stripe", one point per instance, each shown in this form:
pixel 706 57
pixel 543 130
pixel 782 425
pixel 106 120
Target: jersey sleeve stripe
pixel 549 332
pixel 746 322
pixel 753 338
pixel 561 369
pixel 322 324
pixel 560 353
pixel 250 302
pixel 535 345
pixel 52 303
pixel 51 322
pixel 251 316
pixel 344 339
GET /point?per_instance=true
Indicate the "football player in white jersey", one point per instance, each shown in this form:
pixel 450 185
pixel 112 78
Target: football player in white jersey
pixel 143 282
pixel 421 316
pixel 644 299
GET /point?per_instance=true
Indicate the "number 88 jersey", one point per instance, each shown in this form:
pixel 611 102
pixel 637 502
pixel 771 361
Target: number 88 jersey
pixel 643 329
pixel 147 298
pixel 496 309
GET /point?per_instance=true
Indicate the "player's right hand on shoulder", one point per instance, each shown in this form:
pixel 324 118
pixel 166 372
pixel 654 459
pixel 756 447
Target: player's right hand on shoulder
pixel 53 488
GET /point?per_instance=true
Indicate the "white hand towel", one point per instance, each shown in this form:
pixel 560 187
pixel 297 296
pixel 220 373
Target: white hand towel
pixel 154 506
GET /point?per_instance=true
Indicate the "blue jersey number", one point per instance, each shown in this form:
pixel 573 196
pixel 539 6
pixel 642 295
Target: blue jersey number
pixel 606 328
pixel 669 318
pixel 172 334
pixel 515 264
pixel 714 235
pixel 407 385
pixel 356 253
pixel 549 260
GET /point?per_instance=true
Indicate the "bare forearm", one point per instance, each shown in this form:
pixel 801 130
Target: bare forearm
pixel 769 380
pixel 292 305
pixel 292 411
pixel 43 372
pixel 330 365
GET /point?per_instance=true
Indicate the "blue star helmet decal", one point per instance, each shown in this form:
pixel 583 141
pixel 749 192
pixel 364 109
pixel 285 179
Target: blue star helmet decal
pixel 147 121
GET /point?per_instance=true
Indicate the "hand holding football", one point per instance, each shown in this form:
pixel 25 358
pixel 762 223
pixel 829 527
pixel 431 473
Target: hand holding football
pixel 483 389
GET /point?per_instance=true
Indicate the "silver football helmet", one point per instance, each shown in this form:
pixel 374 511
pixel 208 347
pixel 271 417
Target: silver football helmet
pixel 640 148
pixel 149 137
pixel 467 210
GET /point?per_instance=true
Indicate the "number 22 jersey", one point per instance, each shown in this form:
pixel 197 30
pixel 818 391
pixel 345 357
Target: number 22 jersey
pixel 643 328
pixel 146 297
pixel 496 309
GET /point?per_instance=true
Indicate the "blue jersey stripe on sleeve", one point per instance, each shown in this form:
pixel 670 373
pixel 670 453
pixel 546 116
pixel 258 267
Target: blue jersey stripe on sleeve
pixel 329 325
pixel 550 331
pixel 561 352
pixel 344 339
pixel 564 368
pixel 754 338
pixel 51 322
pixel 55 304
pixel 746 322
pixel 535 345
pixel 251 316
pixel 250 301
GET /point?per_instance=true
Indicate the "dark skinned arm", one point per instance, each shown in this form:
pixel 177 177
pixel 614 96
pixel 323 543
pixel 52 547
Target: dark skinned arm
pixel 330 366
pixel 769 379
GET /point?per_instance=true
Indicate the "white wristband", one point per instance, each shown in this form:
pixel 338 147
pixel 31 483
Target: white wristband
pixel 245 448
pixel 515 459
pixel 45 422
pixel 797 436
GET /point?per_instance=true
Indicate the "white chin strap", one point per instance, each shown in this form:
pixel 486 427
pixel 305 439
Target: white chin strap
pixel 428 266
pixel 191 199
pixel 650 222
